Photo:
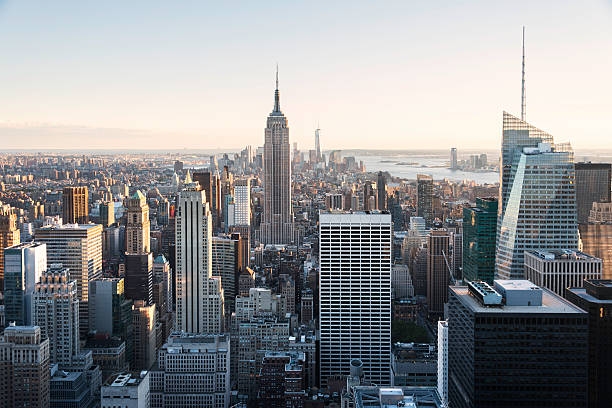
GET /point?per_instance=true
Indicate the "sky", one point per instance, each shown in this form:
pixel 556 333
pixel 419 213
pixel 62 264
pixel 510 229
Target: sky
pixel 138 74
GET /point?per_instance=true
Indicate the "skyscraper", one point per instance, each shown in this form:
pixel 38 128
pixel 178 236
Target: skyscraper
pixel 318 143
pixel 425 198
pixel 438 275
pixel 453 158
pixel 139 276
pixel 355 294
pixel 145 334
pixel 479 230
pixel 56 312
pixel 242 202
pixel 138 227
pixel 78 248
pixel 24 264
pixel 369 199
pixel 199 295
pixel 381 190
pixel 107 213
pixel 225 264
pixel 539 206
pixel 277 226
pixel 592 186
pixel 75 205
pixel 9 235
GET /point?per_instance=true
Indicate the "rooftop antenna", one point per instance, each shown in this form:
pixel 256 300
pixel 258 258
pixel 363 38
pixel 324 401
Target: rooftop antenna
pixel 523 101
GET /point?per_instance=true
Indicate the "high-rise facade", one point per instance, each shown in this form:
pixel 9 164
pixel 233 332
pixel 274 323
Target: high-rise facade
pixel 225 264
pixel 277 226
pixel 479 231
pixel 139 276
pixel 138 227
pixel 425 198
pixel 381 191
pixel 318 143
pixel 592 186
pixel 107 213
pixel 9 236
pixel 24 368
pixel 199 295
pixel 453 158
pixel 75 205
pixel 438 274
pixel 56 312
pixel 596 299
pixel 242 202
pixel 355 294
pixel 538 197
pixel 145 335
pixel 78 248
pixel 515 345
pixel 443 361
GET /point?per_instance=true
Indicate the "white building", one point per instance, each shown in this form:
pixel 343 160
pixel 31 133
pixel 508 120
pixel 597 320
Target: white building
pixel 401 282
pixel 192 370
pixel 443 361
pixel 199 295
pixel 56 312
pixel 355 294
pixel 242 202
pixel 558 270
pixel 127 391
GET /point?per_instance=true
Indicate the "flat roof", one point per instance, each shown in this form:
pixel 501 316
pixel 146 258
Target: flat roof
pixel 561 254
pixel 551 304
pixel 582 292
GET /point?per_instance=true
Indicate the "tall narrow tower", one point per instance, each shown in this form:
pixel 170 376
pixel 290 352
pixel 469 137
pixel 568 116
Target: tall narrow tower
pixel 523 100
pixel 318 143
pixel 277 226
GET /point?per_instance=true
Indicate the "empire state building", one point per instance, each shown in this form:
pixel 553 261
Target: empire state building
pixel 277 226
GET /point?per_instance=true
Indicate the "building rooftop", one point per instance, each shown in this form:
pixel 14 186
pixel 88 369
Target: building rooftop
pixel 126 379
pixel 562 254
pixel 392 397
pixel 551 303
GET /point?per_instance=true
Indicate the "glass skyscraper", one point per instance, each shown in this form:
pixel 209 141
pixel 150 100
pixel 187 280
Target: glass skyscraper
pixel 479 229
pixel 537 196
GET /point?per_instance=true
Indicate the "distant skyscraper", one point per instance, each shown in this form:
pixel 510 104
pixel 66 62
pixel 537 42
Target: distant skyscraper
pixel 515 345
pixel 368 197
pixel 138 227
pixel 24 264
pixel 355 294
pixel 438 275
pixel 425 198
pixel 139 277
pixel 318 143
pixel 9 236
pixel 225 264
pixel 78 248
pixel 242 202
pixel 199 295
pixel 75 205
pixel 145 335
pixel 592 186
pixel 381 190
pixel 107 213
pixel 479 230
pixel 540 211
pixel 56 312
pixel 277 226
pixel 596 300
pixel 453 158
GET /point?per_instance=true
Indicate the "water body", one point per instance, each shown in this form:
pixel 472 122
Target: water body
pixel 409 165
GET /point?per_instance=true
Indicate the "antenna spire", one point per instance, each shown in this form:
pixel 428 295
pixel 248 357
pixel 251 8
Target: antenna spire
pixel 276 94
pixel 523 99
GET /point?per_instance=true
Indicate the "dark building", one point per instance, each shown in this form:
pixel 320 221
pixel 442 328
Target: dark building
pixel 381 190
pixel 418 272
pixel 205 180
pixel 69 389
pixel 425 198
pixel 368 192
pixel 596 299
pixel 139 277
pixel 479 232
pixel 592 186
pixel 515 346
pixel 438 275
pixel 75 205
pixel 281 380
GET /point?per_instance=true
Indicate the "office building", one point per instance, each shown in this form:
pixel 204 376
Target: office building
pixel 205 181
pixel 592 186
pixel 355 294
pixel 23 266
pixel 443 361
pixel 401 282
pixel 144 321
pixel 199 295
pixel 425 198
pixel 24 368
pixel 193 370
pixel 318 143
pixel 139 276
pixel 438 274
pixel 69 389
pixel 381 191
pixel 127 390
pixel 560 269
pixel 391 397
pixel 515 345
pixel 56 312
pixel 162 276
pixel 453 158
pixel 226 265
pixel 78 248
pixel 107 213
pixel 110 311
pixel 242 202
pixel 138 227
pixel 277 225
pixel 75 205
pixel 281 380
pixel 9 236
pixel 596 299
pixel 540 207
pixel 479 231
pixel 368 197
pixel 109 353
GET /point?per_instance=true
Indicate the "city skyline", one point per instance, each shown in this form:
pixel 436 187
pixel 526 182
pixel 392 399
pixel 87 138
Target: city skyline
pixel 94 78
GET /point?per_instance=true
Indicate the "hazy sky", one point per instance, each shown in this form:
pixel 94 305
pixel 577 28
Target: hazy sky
pixel 384 74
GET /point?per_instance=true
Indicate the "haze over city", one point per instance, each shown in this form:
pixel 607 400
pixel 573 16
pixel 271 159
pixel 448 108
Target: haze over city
pixel 406 75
